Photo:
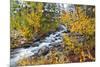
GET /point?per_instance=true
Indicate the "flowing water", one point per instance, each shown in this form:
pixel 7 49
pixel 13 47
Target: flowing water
pixel 47 42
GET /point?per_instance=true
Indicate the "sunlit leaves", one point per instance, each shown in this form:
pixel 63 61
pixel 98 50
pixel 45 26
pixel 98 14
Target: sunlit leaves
pixel 35 21
pixel 27 23
pixel 68 41
pixel 65 18
pixel 83 26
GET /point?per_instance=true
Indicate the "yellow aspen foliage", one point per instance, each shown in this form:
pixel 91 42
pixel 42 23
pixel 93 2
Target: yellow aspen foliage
pixel 14 23
pixel 33 21
pixel 26 32
pixel 27 23
pixel 68 41
pixel 39 9
pixel 83 26
pixel 65 16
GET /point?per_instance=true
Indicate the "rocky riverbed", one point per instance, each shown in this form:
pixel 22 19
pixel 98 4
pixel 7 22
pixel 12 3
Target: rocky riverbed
pixel 40 47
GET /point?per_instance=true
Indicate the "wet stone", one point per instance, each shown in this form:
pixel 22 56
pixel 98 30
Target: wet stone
pixel 43 51
pixel 26 46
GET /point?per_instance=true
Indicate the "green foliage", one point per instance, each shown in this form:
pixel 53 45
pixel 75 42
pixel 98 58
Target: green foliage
pixel 27 23
pixel 31 22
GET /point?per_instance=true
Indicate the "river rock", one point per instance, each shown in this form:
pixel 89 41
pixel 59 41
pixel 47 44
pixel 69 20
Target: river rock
pixel 43 51
pixel 25 45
